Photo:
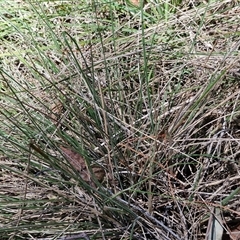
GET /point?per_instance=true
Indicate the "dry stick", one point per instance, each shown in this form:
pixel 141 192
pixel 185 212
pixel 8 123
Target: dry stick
pixel 221 181
pixel 183 220
pixel 148 216
pixel 75 237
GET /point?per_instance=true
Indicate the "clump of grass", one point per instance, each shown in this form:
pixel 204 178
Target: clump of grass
pixel 147 97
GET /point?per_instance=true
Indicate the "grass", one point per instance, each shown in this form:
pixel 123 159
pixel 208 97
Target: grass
pixel 118 120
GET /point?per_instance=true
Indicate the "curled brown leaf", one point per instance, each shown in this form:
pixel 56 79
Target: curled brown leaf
pixel 79 164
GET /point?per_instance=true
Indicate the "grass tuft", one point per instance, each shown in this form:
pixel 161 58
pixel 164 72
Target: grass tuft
pixel 119 120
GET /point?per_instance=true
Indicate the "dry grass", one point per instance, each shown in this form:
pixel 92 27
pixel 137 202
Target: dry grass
pixel 153 102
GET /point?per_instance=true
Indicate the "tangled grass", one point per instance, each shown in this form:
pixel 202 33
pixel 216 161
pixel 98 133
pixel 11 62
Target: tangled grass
pixel 119 121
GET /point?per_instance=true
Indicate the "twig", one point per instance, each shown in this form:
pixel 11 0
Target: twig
pixel 149 217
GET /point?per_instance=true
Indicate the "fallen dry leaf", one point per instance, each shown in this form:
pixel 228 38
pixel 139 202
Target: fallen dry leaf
pixel 79 164
pixel 135 2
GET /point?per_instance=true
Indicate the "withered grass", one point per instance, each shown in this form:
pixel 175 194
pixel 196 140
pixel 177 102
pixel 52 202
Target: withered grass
pixel 118 122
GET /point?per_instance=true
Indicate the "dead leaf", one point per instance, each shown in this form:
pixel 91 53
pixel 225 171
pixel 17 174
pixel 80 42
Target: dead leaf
pixel 79 164
pixel 135 2
pixel 235 230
